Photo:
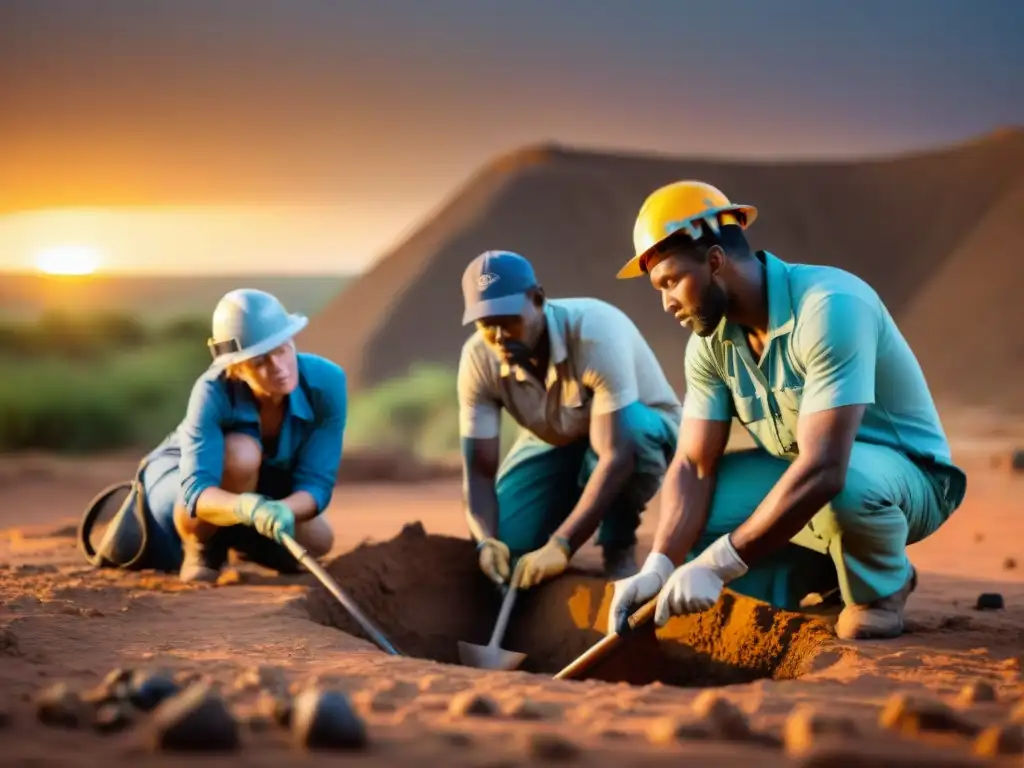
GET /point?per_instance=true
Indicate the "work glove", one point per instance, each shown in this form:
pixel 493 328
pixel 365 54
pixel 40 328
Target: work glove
pixel 270 518
pixel 696 586
pixel 542 564
pixel 633 592
pixel 494 560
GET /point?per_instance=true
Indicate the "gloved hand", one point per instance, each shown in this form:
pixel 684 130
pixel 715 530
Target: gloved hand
pixel 270 518
pixel 542 564
pixel 494 559
pixel 633 592
pixel 696 586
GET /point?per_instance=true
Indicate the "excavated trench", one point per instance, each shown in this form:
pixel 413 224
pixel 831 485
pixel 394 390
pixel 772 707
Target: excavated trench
pixel 426 594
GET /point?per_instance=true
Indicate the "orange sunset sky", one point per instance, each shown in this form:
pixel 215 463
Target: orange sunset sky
pixel 295 136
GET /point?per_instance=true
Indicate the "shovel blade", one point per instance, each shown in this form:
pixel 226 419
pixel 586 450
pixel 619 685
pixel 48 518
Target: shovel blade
pixel 489 657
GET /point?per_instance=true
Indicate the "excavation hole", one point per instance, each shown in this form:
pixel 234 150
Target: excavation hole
pixel 426 594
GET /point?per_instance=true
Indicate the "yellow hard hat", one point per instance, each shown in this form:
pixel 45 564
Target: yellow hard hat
pixel 681 205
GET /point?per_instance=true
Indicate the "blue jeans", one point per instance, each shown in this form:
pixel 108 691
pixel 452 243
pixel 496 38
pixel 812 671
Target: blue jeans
pixel 161 482
pixel 538 484
pixel 856 543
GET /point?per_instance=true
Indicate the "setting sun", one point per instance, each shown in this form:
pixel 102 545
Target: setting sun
pixel 68 260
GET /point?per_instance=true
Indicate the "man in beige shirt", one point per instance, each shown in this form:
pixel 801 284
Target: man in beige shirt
pixel 599 418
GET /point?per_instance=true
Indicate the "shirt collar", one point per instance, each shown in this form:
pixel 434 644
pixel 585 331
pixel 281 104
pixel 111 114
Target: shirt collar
pixel 780 301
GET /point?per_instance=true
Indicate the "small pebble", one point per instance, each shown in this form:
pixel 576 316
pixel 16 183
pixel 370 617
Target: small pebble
pixel 277 708
pixel 989 601
pixel 147 690
pixel 976 691
pixel 325 719
pixel 8 643
pixel 195 719
pixel 1017 460
pixel 261 677
pixel 725 718
pixel 1009 564
pixel 58 705
pixel 669 730
pixel 472 703
pixel 979 537
pixel 550 746
pixel 524 709
pixel 805 726
pixel 1017 715
pixel 911 715
pixel 1005 739
pixel 112 717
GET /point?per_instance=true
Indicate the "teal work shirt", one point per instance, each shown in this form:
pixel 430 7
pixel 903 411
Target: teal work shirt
pixel 831 343
pixel 308 446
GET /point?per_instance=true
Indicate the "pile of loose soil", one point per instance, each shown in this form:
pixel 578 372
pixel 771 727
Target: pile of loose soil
pixel 426 593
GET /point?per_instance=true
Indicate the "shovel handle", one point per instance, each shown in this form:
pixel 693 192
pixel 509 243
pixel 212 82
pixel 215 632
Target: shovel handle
pixel 299 553
pixel 605 645
pixel 505 612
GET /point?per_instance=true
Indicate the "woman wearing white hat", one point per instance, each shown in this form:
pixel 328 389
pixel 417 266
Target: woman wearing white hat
pixel 257 453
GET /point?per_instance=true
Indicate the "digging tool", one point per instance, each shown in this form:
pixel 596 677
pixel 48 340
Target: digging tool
pixel 492 656
pixel 310 563
pixel 606 645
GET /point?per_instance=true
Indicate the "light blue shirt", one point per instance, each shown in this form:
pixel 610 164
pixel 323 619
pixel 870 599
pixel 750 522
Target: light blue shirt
pixel 308 445
pixel 831 342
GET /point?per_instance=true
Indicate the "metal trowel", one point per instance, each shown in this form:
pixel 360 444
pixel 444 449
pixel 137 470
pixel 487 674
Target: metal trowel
pixel 492 656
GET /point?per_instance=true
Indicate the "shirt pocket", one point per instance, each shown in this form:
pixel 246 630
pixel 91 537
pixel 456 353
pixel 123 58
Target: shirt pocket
pixel 748 409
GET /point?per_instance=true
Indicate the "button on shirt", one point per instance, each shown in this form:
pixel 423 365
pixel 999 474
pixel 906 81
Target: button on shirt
pixel 599 363
pixel 308 446
pixel 831 342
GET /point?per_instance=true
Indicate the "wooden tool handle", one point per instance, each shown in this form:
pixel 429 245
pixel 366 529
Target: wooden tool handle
pixel 506 609
pixel 606 644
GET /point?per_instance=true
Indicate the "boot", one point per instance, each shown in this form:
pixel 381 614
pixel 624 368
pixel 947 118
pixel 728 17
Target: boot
pixel 620 562
pixel 879 619
pixel 200 563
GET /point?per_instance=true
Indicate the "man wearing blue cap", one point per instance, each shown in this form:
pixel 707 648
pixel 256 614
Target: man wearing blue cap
pixel 599 422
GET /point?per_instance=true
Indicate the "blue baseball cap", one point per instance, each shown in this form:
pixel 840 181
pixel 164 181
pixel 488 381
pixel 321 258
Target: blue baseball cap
pixel 496 283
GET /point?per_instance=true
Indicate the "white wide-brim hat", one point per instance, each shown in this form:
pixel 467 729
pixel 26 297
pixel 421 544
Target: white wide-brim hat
pixel 248 323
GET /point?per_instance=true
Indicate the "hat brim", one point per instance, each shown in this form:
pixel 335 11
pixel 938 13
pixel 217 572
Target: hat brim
pixel 505 305
pixel 634 267
pixel 296 323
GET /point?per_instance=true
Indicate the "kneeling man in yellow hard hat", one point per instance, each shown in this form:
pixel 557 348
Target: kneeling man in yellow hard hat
pixel 852 463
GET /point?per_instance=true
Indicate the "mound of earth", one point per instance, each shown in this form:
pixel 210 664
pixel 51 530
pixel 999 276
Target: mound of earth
pixel 930 231
pixel 426 593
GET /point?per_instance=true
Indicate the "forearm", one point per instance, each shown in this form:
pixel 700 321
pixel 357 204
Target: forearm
pixel 685 501
pixel 481 506
pixel 217 507
pixel 799 494
pixel 303 506
pixel 606 482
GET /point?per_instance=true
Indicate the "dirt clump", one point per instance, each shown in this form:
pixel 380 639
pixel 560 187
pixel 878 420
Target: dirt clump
pixel 426 593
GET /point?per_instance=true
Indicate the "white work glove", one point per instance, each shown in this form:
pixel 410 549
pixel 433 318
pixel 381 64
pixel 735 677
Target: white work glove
pixel 633 592
pixel 696 586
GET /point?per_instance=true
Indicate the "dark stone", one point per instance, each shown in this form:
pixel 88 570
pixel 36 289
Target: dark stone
pixel 59 706
pixel 147 690
pixel 196 719
pixel 989 601
pixel 325 719
pixel 111 718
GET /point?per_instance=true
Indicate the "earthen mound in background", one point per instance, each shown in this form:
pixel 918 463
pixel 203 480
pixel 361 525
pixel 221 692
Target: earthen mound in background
pixel 933 232
pixel 426 593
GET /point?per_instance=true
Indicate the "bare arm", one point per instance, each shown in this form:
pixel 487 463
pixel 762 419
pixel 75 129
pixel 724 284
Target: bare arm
pixel 616 454
pixel 816 476
pixel 688 486
pixel 479 468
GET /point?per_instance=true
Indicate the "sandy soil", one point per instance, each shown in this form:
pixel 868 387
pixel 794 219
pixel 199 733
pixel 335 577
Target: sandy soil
pixel 60 621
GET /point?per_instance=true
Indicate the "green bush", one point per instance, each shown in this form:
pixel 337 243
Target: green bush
pixel 109 382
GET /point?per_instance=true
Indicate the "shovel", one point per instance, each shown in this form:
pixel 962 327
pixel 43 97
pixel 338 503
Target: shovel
pixel 492 656
pixel 606 645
